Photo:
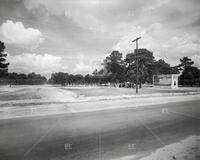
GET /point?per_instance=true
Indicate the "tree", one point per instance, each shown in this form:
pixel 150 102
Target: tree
pixel 79 79
pixel 59 78
pixel 190 76
pixel 174 70
pixel 145 66
pixel 87 79
pixel 30 79
pixel 185 62
pixel 115 67
pixel 161 67
pixel 3 64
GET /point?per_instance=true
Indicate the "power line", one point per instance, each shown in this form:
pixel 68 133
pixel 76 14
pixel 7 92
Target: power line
pixel 136 40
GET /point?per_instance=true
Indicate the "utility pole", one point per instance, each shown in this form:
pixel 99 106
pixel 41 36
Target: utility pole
pixel 136 52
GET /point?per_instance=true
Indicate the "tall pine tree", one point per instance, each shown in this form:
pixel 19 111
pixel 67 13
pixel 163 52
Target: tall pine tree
pixel 3 64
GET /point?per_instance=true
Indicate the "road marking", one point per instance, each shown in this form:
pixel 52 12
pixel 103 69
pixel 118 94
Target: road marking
pixel 150 130
pixel 155 135
pixel 40 139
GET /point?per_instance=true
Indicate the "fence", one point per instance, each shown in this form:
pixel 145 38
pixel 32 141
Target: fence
pixel 118 85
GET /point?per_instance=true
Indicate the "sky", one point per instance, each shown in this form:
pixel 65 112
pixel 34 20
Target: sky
pixel 74 36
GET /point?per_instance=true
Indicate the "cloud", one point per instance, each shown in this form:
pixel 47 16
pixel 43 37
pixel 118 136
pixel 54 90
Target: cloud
pixel 16 34
pixel 196 59
pixel 165 43
pixel 168 28
pixel 86 68
pixel 82 14
pixel 82 67
pixel 158 4
pixel 84 20
pixel 31 62
pixel 125 44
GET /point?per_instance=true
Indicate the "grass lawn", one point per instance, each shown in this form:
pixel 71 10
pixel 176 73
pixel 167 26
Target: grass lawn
pixel 92 92
pixel 54 93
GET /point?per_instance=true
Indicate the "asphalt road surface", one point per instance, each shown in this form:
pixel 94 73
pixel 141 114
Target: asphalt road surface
pixel 102 135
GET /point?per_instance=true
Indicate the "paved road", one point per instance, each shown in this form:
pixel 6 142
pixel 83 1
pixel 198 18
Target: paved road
pixel 98 135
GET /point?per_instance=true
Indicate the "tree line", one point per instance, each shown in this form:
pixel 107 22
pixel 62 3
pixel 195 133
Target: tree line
pixel 116 69
pixel 119 70
pixel 23 79
pixel 16 78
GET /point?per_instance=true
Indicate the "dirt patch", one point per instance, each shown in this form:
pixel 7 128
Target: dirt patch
pixel 186 149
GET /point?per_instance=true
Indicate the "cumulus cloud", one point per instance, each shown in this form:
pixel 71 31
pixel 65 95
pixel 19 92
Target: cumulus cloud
pixel 16 34
pixel 31 62
pixel 86 68
pixel 165 43
pixel 125 44
pixel 82 67
pixel 114 23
